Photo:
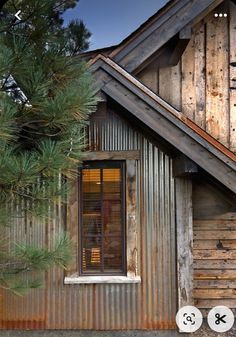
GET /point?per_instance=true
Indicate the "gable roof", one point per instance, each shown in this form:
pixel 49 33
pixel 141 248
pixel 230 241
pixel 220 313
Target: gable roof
pixel 165 120
pixel 142 44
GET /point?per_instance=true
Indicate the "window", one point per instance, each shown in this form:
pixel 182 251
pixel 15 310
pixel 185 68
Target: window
pixel 102 218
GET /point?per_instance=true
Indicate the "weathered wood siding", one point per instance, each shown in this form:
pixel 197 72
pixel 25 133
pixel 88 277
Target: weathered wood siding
pixel 214 246
pixel 203 84
pixel 149 305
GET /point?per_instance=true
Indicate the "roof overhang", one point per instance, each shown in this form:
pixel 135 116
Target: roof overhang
pixel 174 18
pixel 165 121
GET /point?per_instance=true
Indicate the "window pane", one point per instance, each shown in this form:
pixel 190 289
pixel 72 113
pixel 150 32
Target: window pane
pixel 92 225
pixel 91 255
pixel 112 254
pixel 92 221
pixel 112 217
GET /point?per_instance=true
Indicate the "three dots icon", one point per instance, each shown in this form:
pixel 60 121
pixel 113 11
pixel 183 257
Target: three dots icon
pixel 220 15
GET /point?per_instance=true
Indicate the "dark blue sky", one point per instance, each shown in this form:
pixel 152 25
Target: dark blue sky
pixel 110 21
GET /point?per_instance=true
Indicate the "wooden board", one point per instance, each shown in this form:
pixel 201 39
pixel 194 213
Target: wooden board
pixel 214 274
pixel 219 284
pixel 170 85
pixel 214 264
pixel 213 254
pixel 206 303
pixel 111 155
pixel 200 75
pixel 188 81
pixel 184 240
pixel 232 75
pixel 214 224
pixel 213 244
pixel 150 77
pixel 131 221
pixel 215 293
pixel 218 235
pixel 217 87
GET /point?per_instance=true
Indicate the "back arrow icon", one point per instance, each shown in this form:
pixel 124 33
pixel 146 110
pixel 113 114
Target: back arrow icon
pixel 17 15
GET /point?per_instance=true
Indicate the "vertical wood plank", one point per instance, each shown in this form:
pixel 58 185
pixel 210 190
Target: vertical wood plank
pixel 200 75
pixel 184 225
pixel 170 85
pixel 131 221
pixel 72 224
pixel 232 77
pixel 149 76
pixel 217 89
pixel 188 80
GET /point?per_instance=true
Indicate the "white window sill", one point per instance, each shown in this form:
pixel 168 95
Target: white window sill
pixel 75 279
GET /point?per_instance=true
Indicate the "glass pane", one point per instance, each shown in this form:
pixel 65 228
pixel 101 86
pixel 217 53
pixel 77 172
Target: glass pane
pixel 91 255
pixel 112 217
pixel 111 184
pixel 92 223
pixel 91 181
pixel 112 255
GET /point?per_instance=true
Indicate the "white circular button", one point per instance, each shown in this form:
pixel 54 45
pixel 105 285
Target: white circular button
pixel 189 319
pixel 220 319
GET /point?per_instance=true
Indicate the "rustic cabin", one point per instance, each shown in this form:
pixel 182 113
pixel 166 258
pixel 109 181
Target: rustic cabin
pixel 153 213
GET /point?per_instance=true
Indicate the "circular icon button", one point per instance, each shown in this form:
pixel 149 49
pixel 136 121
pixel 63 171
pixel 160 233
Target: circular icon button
pixel 189 319
pixel 220 319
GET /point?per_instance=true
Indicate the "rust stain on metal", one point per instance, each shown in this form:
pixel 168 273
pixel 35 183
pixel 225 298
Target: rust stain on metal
pixel 22 324
pixel 211 140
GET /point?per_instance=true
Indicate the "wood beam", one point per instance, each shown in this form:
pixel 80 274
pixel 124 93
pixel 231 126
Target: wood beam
pixel 111 155
pixel 183 166
pixel 186 33
pixel 184 228
pixel 181 44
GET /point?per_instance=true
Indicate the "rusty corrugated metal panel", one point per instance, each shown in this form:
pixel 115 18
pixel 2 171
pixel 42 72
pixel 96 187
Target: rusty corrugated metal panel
pixel 149 305
pixel 25 312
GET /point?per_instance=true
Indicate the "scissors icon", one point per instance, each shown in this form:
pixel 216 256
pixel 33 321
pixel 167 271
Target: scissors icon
pixel 220 319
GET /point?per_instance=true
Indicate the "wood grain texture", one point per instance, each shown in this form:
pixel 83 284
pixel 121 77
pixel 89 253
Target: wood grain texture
pixel 206 303
pixel 214 264
pixel 72 225
pixel 184 240
pixel 214 246
pixel 111 155
pixel 150 77
pixel 215 234
pixel 188 81
pixel 217 85
pixel 215 293
pixel 169 85
pixel 131 221
pixel 232 75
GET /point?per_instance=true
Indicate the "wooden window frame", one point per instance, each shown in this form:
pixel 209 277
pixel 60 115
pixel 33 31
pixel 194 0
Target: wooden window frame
pixel 104 164
pixel 132 224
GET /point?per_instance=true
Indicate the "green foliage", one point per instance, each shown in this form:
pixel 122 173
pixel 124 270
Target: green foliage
pixel 46 96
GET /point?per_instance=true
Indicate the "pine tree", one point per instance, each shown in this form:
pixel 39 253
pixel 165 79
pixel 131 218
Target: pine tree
pixel 46 96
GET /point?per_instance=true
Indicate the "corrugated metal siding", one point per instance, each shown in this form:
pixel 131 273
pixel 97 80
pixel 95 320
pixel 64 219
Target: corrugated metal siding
pixel 149 305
